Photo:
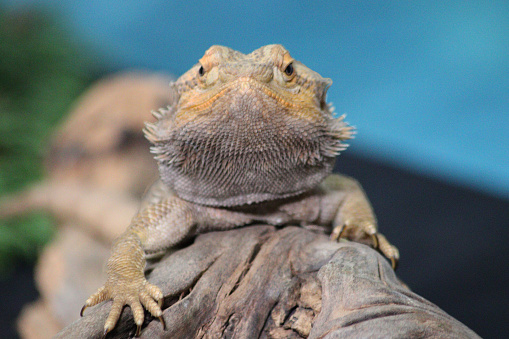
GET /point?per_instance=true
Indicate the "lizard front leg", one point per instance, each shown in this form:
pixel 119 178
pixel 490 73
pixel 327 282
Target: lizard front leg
pixel 157 227
pixel 354 218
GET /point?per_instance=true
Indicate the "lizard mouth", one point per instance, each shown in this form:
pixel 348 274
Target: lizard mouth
pixel 243 149
pixel 245 143
pixel 245 129
pixel 244 92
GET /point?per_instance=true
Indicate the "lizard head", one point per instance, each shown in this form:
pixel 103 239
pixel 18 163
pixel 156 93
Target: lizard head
pixel 246 128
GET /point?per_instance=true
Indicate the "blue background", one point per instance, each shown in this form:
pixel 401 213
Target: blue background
pixel 426 83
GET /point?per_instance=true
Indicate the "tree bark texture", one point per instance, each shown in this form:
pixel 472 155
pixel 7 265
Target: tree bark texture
pixel 265 282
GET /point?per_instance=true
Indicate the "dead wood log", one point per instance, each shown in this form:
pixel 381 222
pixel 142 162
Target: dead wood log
pixel 263 282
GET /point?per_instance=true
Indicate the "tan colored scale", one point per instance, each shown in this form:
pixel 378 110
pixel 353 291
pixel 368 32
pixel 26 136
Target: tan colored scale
pixel 247 138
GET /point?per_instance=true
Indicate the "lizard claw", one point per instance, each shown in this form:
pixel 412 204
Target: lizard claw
pixel 337 232
pixel 394 263
pixel 374 238
pixel 83 310
pixel 358 229
pixel 161 319
pixel 136 293
pixel 388 250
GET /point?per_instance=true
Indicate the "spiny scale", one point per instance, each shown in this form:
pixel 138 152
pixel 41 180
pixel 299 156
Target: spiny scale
pixel 229 142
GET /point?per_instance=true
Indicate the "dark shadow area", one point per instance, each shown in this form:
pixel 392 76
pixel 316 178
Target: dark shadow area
pixel 453 241
pixel 16 289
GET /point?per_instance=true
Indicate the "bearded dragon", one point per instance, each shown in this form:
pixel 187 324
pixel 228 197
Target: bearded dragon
pixel 247 138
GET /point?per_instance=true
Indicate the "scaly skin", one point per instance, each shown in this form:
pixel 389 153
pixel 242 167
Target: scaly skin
pixel 246 138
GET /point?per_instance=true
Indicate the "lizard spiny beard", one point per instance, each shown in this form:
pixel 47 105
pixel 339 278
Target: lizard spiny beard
pixel 247 151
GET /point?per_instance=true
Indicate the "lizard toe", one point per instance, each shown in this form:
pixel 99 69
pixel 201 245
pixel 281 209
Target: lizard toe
pixel 154 291
pixel 150 304
pixel 337 232
pixel 96 298
pixel 114 315
pixel 388 250
pixel 138 314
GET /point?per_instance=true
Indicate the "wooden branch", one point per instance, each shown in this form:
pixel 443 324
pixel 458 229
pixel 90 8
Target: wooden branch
pixel 263 282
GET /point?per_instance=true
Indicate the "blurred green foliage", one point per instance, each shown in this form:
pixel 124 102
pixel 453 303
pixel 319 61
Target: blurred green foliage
pixel 42 70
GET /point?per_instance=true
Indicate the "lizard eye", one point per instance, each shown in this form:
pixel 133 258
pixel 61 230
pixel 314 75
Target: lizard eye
pixel 289 69
pixel 201 71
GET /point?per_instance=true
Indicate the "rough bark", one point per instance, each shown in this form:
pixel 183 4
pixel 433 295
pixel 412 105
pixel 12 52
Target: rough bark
pixel 263 282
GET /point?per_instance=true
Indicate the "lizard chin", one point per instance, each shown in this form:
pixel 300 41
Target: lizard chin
pixel 244 151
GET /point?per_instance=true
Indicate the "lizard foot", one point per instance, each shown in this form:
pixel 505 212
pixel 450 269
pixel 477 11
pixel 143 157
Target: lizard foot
pixel 136 294
pixel 358 229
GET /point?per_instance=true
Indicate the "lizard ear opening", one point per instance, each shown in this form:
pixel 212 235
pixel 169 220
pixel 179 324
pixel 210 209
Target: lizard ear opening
pixel 174 95
pixel 322 92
